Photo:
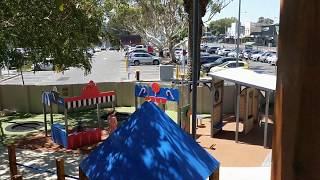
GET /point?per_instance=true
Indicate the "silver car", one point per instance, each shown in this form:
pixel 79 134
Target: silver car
pixel 143 58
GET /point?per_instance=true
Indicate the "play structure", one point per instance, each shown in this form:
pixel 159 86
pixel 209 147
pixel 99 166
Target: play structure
pixel 249 86
pixel 90 97
pixel 149 145
pixel 177 93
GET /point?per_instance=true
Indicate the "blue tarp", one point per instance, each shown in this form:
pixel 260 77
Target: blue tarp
pixel 51 97
pixel 149 146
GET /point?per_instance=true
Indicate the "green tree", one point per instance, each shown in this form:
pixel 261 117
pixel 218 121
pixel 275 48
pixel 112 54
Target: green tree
pixel 160 22
pixel 219 26
pixel 62 30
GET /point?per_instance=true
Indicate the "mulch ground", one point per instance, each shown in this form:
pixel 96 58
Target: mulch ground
pixel 39 142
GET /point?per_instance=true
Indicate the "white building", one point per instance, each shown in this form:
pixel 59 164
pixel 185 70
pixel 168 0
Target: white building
pixel 232 31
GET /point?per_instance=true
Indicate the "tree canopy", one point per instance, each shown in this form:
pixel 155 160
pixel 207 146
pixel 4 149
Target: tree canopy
pixel 160 22
pixel 219 26
pixel 62 30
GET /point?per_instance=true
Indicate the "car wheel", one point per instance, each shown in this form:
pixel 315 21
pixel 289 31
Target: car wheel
pixel 136 63
pixel 155 62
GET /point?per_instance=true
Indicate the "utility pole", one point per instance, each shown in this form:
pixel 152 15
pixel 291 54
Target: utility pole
pixel 238 34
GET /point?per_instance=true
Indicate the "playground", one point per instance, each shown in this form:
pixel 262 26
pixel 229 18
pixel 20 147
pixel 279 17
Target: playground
pixel 38 144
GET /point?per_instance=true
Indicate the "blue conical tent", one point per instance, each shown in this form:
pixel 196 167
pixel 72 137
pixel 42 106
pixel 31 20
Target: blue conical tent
pixel 149 146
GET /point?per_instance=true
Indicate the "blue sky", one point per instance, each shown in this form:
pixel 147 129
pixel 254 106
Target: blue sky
pixel 251 10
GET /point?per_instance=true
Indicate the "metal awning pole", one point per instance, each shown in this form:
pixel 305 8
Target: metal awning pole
pixel 45 118
pixel 195 60
pixel 266 120
pixel 212 108
pixel 237 112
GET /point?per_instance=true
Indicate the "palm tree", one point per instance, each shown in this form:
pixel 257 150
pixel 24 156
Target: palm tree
pixel 214 6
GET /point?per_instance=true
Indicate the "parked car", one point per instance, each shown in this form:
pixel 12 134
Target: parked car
pixel 204 54
pixel 89 52
pixel 209 59
pixel 263 57
pixel 203 47
pixel 46 65
pixel 223 52
pixel 136 51
pixel 230 64
pixel 273 59
pixel 233 53
pixel 206 67
pixel 246 53
pixel 212 50
pixel 97 49
pixel 256 56
pixel 143 58
pixel 252 53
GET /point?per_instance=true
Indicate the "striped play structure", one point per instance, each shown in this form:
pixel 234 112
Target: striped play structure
pixel 90 97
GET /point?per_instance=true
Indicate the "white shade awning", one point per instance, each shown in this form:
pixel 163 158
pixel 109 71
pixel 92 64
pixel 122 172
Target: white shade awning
pixel 247 78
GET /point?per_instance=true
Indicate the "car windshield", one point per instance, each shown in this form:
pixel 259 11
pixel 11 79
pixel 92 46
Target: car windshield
pixel 223 64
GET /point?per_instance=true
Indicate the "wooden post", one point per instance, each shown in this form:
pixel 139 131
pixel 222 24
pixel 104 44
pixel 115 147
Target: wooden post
pixel 17 177
pixel 82 176
pixel 296 145
pixel 215 175
pixel 12 160
pixel 60 169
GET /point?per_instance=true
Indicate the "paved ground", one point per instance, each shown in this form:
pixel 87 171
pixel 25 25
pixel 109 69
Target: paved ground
pixel 106 67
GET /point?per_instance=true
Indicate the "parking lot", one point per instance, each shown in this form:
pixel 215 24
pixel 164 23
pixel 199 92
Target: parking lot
pixel 108 66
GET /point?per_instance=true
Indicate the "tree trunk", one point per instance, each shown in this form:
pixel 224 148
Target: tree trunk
pixel 172 53
pixel 190 44
pixel 190 53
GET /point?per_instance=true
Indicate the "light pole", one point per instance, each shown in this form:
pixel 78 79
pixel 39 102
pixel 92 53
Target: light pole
pixel 238 34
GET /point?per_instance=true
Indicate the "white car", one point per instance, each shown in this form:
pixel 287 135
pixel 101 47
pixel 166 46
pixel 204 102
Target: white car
pixel 140 47
pixel 97 49
pixel 223 52
pixel 143 58
pixel 273 59
pixel 263 57
pixel 256 56
pixel 230 64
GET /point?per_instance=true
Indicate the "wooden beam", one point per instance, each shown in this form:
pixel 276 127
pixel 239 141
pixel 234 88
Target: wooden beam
pixel 296 144
pixel 60 169
pixel 12 160
pixel 215 175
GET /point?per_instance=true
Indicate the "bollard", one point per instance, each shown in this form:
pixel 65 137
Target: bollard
pixel 60 169
pixel 138 75
pixel 177 72
pixel 12 160
pixel 215 175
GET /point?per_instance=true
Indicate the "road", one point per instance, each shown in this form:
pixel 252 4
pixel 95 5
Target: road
pixel 107 66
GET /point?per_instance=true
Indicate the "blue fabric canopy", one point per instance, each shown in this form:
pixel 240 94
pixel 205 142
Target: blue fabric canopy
pixel 149 146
